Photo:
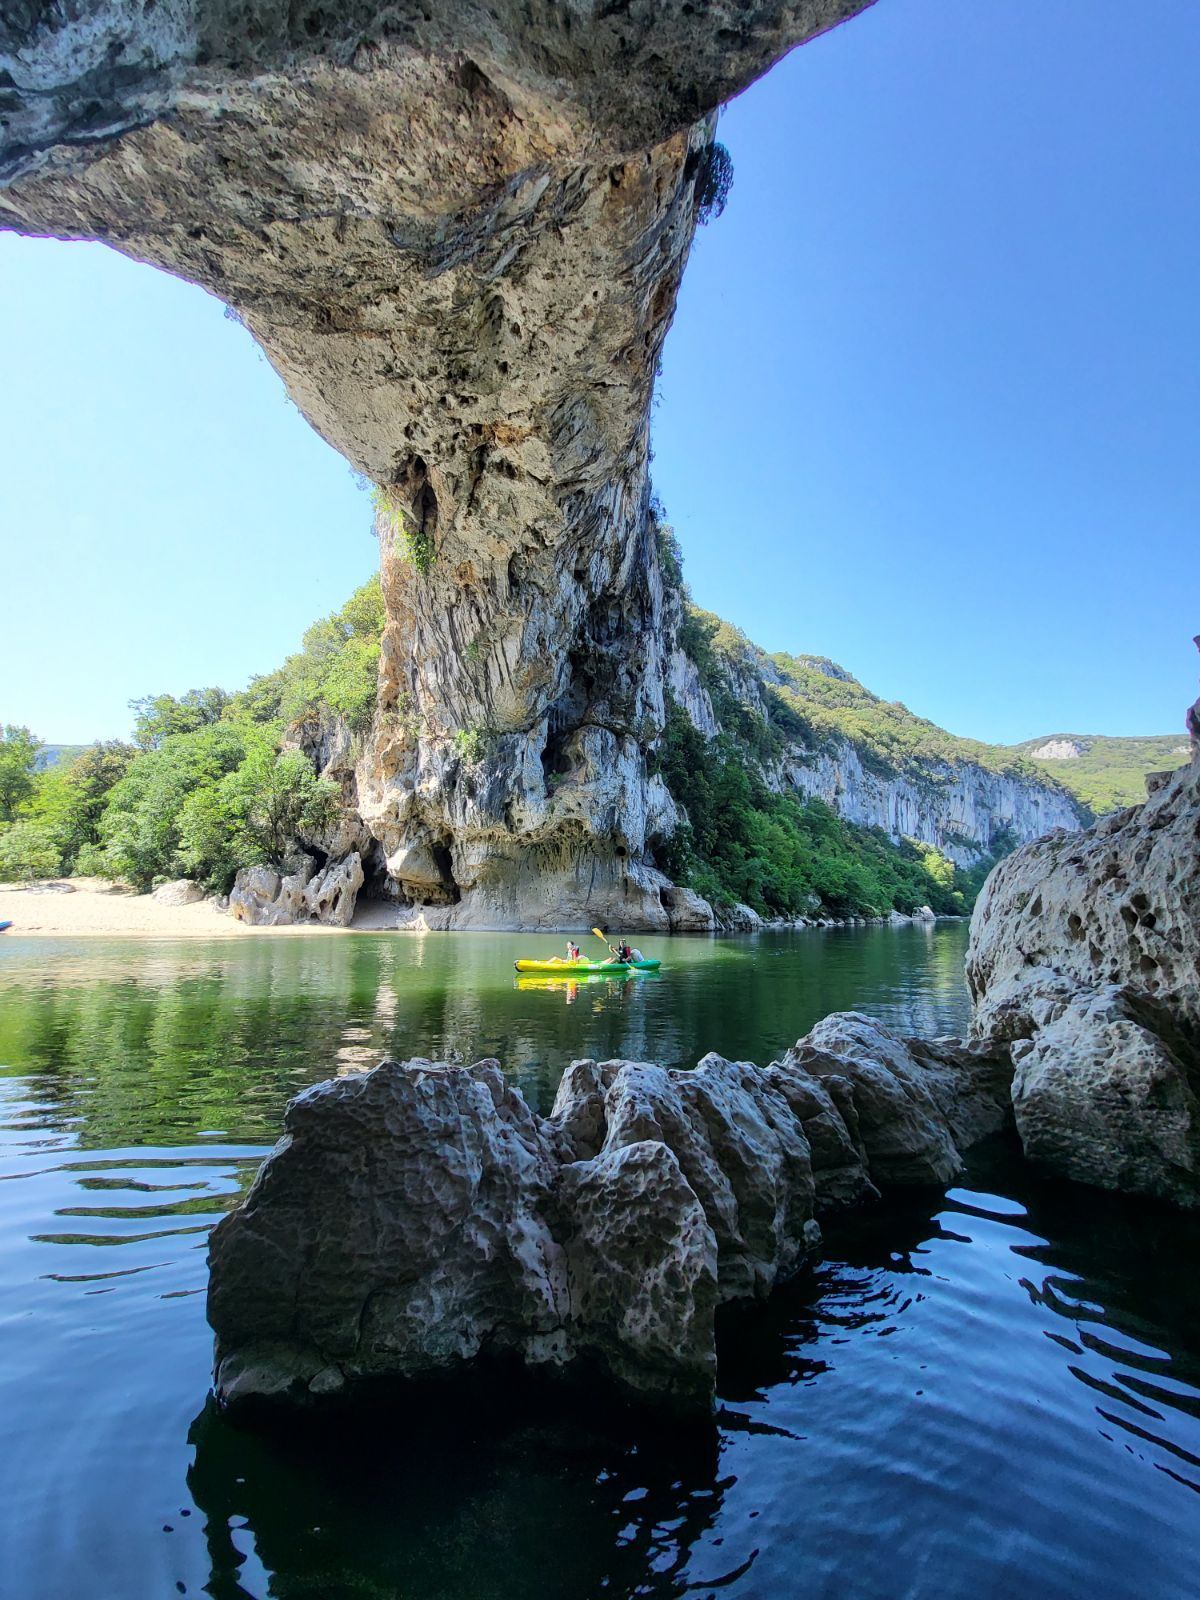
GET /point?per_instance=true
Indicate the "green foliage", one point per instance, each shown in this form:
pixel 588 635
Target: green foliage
pixel 157 717
pixel 714 179
pixel 28 850
pixel 670 554
pixel 19 752
pixel 254 815
pixel 337 668
pixel 471 744
pixel 206 803
pixel 723 657
pixel 72 799
pixel 781 855
pixel 1109 773
pixel 61 810
pixel 413 539
pixel 140 829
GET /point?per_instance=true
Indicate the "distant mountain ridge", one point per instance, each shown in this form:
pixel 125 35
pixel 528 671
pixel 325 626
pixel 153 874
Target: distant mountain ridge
pixel 1106 772
pixel 59 755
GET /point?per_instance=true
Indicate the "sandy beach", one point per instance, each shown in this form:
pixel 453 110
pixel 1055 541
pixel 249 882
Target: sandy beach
pixel 93 907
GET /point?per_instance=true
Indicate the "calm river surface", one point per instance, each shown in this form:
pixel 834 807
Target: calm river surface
pixel 981 1392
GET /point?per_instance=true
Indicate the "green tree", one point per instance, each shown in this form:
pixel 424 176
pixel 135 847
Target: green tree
pixel 337 668
pixel 140 828
pixel 157 717
pixel 28 850
pixel 256 814
pixel 19 751
pixel 69 801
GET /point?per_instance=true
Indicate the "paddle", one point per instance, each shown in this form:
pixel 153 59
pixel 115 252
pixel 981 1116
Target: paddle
pixel 604 936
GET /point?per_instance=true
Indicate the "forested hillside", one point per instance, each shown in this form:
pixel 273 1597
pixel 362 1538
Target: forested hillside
pixel 752 834
pixel 206 786
pixel 1105 773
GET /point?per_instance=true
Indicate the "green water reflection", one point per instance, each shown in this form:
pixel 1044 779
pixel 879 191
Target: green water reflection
pixel 160 1043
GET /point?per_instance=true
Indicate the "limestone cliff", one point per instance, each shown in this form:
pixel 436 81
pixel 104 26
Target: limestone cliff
pixel 1086 952
pixel 457 231
pixel 873 761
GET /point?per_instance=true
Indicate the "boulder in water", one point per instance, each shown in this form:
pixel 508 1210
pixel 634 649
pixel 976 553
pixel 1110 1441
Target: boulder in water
pixel 420 1217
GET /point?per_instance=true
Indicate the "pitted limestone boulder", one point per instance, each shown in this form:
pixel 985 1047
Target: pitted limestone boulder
pixel 420 1217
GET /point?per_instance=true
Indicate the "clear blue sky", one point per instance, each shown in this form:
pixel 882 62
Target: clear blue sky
pixel 929 405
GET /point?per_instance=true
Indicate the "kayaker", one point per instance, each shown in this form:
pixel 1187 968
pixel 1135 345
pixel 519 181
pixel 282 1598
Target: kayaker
pixel 572 950
pixel 622 953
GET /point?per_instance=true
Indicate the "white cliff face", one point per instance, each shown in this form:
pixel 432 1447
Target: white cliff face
pixel 1058 750
pixel 962 809
pixel 966 810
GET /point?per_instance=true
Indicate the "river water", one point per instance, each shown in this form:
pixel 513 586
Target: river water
pixel 978 1391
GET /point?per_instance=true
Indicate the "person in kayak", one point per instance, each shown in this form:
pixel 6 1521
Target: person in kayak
pixel 622 954
pixel 572 950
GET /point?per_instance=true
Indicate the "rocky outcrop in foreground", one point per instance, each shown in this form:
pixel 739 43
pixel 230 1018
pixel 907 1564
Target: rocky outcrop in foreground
pixel 421 1216
pixel 1085 953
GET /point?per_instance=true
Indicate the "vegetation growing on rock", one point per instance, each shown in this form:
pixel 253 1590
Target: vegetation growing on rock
pixel 212 785
pixel 784 856
pixel 1107 773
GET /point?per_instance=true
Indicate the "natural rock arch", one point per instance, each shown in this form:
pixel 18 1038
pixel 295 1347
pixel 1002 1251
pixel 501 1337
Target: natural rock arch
pixel 457 230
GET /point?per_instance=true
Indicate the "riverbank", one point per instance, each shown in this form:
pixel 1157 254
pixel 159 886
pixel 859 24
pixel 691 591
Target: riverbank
pixel 95 908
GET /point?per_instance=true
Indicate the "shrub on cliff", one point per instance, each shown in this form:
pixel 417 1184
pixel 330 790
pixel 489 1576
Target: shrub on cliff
pixel 779 854
pixel 158 716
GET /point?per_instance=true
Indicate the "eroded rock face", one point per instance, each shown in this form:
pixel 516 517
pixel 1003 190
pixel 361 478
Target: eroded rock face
pixel 1101 1096
pixel 917 1104
pixel 267 899
pixel 1086 950
pixel 457 232
pixel 1119 903
pixel 419 1216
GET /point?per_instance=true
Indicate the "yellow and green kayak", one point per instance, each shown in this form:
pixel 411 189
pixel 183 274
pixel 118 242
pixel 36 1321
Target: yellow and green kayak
pixel 583 969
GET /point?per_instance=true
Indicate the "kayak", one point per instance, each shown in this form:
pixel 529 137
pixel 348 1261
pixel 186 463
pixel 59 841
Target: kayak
pixel 4 925
pixel 582 969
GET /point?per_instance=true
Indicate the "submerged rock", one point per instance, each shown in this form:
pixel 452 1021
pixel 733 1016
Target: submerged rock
pixel 421 1216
